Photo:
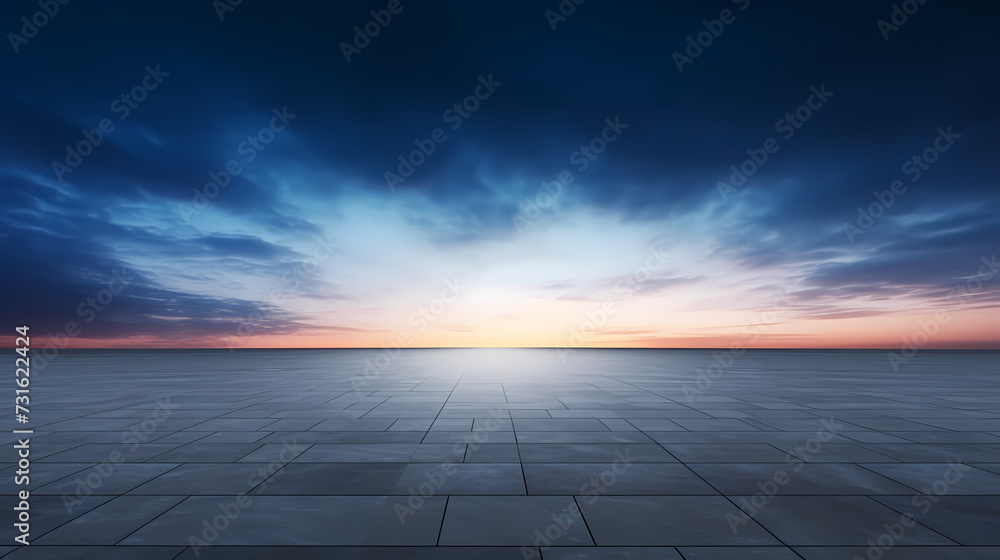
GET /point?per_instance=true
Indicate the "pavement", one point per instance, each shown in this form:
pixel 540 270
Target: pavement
pixel 509 454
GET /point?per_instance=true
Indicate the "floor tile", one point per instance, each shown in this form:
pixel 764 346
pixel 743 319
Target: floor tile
pixel 739 553
pixel 215 479
pixel 480 479
pixel 936 478
pixel 967 520
pixel 833 520
pixel 492 453
pixel 347 425
pixel 796 479
pixel 592 453
pixel 736 452
pixel 411 425
pixel 513 520
pixel 611 553
pixel 110 522
pixel 606 436
pixel 204 452
pixel 714 425
pixel 439 453
pixel 354 553
pixel 42 552
pixel 669 521
pixel 900 553
pixel 49 512
pixel 106 479
pixel 357 453
pixel 467 437
pixel 303 521
pixel 335 479
pixel 589 480
pixel 558 425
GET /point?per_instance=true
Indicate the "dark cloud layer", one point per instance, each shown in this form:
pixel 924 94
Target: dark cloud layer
pixel 557 87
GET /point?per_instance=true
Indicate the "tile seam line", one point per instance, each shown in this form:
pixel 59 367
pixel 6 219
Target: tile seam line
pixel 768 531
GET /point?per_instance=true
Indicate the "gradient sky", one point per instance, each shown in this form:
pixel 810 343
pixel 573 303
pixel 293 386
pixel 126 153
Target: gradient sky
pixel 308 246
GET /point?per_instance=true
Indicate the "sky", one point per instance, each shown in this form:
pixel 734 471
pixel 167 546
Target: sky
pixel 416 173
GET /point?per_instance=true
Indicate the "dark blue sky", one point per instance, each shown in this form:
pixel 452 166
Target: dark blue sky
pixel 306 243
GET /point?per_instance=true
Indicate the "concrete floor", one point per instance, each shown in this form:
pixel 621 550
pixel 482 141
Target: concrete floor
pixel 442 454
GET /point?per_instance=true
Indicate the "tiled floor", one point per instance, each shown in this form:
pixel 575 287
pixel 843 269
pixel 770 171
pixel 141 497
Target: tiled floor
pixel 511 454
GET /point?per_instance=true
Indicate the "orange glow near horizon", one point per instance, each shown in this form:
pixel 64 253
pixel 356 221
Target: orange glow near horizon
pixel 970 329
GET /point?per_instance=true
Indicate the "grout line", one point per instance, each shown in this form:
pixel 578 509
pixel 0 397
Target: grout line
pixel 584 519
pixel 447 500
pixel 164 512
